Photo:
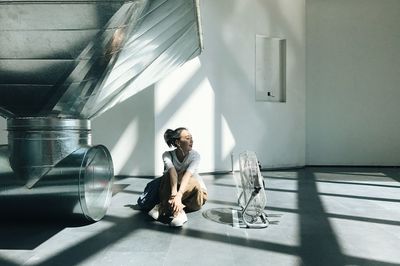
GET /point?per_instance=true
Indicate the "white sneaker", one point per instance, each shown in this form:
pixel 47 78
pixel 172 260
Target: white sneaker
pixel 154 213
pixel 179 220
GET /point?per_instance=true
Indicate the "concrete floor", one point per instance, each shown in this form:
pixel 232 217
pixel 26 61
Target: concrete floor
pixel 319 216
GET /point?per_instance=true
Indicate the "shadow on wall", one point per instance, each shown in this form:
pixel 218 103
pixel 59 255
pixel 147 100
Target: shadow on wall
pixel 128 131
pixel 227 63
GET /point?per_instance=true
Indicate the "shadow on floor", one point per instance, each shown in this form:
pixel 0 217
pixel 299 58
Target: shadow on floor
pixel 318 243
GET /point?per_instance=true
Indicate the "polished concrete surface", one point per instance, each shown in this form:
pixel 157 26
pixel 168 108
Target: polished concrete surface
pixel 318 215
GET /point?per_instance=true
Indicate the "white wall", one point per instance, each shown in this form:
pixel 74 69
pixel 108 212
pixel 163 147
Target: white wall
pixel 127 130
pixel 353 77
pixel 214 95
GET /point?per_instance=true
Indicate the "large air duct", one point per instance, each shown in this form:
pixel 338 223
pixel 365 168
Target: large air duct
pixel 63 63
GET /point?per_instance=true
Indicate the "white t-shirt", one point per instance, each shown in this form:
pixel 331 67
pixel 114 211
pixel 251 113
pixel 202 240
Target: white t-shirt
pixel 190 163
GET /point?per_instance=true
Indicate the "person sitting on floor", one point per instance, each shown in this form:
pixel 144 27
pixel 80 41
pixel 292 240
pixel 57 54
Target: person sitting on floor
pixel 181 187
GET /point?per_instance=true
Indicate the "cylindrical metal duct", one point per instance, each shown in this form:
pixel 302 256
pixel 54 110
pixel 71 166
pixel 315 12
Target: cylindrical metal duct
pixel 37 144
pixel 49 169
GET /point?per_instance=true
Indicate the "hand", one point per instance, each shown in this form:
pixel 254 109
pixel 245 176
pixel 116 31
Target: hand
pixel 175 202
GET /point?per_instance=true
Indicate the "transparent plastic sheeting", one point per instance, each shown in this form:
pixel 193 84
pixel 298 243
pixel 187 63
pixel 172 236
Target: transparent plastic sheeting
pixel 139 43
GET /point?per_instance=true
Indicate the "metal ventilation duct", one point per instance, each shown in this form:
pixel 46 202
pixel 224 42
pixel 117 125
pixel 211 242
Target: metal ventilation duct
pixel 64 62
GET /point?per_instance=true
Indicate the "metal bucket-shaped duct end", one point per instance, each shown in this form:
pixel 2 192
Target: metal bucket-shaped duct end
pixel 37 144
pixel 49 170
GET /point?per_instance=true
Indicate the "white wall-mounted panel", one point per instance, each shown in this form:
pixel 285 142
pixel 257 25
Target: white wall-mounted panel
pixel 270 69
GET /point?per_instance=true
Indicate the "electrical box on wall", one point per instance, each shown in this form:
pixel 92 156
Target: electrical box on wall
pixel 270 71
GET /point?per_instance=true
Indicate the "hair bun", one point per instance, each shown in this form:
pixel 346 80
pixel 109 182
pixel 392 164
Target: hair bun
pixel 170 136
